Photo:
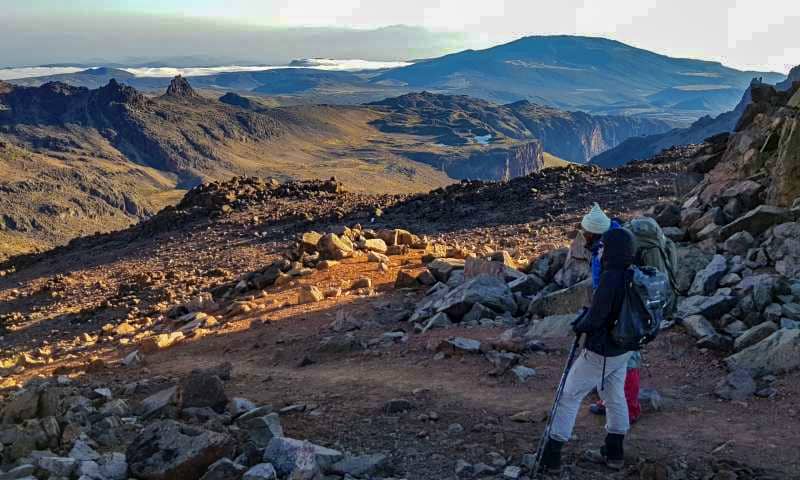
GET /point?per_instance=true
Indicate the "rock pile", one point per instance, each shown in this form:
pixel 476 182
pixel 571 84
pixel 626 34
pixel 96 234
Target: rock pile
pixel 62 429
pixel 240 192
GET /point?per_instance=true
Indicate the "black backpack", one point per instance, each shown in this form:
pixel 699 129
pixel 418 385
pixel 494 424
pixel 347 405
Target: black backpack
pixel 647 293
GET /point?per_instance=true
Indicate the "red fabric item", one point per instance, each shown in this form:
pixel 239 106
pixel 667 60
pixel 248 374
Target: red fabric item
pixel 632 394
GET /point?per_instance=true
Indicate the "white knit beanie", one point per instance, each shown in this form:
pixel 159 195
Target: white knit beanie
pixel 596 221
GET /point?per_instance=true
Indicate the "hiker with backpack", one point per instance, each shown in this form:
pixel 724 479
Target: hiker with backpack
pixel 626 312
pixel 602 364
pixel 653 249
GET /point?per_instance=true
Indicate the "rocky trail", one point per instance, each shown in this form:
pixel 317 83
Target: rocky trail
pixel 263 330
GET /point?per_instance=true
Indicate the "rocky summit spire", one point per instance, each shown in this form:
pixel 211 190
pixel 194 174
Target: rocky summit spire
pixel 179 88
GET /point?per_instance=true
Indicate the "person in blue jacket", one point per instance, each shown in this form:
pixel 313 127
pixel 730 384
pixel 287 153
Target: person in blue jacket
pixel 594 225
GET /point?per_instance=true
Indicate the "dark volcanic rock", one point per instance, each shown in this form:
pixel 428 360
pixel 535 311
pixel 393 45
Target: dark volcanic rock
pixel 179 88
pixel 169 450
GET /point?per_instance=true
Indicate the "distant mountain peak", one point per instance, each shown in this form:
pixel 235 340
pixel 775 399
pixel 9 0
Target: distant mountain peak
pixel 179 88
pixel 119 93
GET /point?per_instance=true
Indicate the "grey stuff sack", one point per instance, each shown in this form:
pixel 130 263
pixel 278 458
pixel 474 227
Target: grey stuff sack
pixel 647 292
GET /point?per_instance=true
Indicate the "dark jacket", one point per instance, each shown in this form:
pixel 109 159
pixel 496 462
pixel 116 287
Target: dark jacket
pixel 619 251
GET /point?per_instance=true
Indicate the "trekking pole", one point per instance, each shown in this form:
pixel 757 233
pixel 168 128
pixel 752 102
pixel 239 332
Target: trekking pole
pixel 546 434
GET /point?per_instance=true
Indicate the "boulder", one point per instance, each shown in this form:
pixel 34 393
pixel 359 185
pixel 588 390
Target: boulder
pixel 675 234
pixel 309 294
pixel 22 405
pixel 477 313
pixel 756 221
pixel 698 327
pixel 502 256
pixel 406 279
pixel 333 247
pixel 754 335
pixel 548 264
pixel 376 257
pixel 375 245
pixel 440 320
pixel 238 406
pixel 737 385
pixel 224 469
pixel 778 353
pixel 161 341
pixel 157 402
pixel 441 267
pixel 260 430
pixel 528 285
pixel 554 326
pixel 690 260
pixel 739 243
pixel 310 240
pixel 284 453
pixel 713 216
pixel 523 373
pixel 362 466
pixel 576 266
pixel 563 302
pixel 262 471
pixel 459 344
pixel 667 215
pixel 488 291
pixel 201 389
pixel 748 193
pixel 706 280
pixel 58 466
pixel 168 450
pixel 708 307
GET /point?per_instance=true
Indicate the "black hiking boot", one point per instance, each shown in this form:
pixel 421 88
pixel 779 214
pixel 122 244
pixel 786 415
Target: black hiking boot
pixel 611 454
pixel 551 458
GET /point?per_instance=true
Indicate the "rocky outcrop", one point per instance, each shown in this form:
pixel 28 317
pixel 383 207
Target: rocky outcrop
pixel 179 88
pixel 493 163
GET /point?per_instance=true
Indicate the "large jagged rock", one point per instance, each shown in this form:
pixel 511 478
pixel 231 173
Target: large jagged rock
pixel 202 389
pixel 706 280
pixel 489 291
pixel 548 264
pixel 754 335
pixel 709 307
pixel 576 266
pixel 563 302
pixel 756 221
pixel 284 453
pixel 334 247
pixel 690 260
pixel 168 450
pixel 555 326
pixel 778 353
pixel 179 88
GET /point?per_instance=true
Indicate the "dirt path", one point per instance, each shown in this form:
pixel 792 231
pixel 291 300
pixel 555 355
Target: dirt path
pixel 348 390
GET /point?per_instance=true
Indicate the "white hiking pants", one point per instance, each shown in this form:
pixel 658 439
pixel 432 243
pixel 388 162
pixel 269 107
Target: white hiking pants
pixel 585 375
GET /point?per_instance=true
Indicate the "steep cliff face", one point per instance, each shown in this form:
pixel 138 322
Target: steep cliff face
pixel 500 162
pixel 578 136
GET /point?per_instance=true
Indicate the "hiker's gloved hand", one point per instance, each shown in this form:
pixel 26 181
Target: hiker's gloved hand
pixel 576 324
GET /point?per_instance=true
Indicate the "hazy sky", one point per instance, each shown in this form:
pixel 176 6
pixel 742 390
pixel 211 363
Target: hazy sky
pixel 747 34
